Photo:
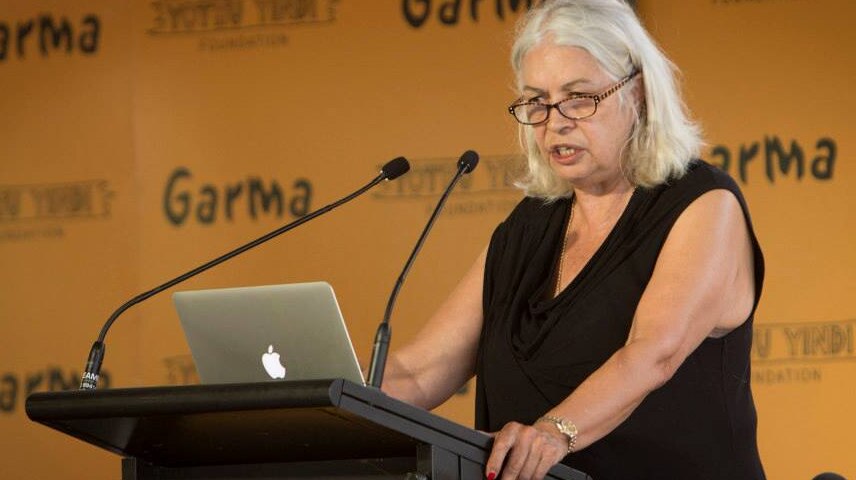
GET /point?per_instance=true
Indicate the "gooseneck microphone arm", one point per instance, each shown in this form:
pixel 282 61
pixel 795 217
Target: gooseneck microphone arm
pixel 466 164
pixel 390 171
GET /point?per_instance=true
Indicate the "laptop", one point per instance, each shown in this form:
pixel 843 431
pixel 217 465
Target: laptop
pixel 267 333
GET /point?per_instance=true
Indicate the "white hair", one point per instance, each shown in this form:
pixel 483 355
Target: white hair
pixel 663 140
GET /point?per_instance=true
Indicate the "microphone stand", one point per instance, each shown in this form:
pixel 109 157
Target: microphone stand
pixel 466 164
pixel 89 381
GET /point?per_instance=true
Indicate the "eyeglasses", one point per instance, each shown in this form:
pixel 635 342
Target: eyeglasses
pixel 577 106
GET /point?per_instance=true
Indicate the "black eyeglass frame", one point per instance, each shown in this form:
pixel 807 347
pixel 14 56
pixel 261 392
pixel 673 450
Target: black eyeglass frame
pixel 597 97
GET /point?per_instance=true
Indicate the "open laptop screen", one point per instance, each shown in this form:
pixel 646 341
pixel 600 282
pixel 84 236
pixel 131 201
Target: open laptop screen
pixel 267 333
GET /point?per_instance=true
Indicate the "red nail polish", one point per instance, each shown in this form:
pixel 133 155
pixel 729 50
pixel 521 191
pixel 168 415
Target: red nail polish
pixel 491 475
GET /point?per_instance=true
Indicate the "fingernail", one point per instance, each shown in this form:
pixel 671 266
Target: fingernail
pixel 491 475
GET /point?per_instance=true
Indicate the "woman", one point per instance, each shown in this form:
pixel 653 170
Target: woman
pixel 609 321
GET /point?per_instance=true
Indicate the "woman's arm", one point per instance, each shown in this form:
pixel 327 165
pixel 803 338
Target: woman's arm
pixel 428 370
pixel 702 285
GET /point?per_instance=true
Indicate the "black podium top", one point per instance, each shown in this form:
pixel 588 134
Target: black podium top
pixel 255 423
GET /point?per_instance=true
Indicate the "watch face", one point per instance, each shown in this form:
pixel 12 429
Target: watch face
pixel 565 427
pixel 568 428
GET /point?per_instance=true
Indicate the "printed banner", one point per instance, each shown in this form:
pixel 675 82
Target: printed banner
pixel 141 140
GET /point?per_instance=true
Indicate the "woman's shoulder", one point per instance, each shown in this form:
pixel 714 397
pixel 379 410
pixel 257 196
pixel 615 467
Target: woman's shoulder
pixel 699 178
pixel 530 221
pixel 704 176
pixel 533 210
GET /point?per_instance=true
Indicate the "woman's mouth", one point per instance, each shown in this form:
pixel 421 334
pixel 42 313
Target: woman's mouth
pixel 565 153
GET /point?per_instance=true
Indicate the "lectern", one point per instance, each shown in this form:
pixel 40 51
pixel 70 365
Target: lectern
pixel 277 430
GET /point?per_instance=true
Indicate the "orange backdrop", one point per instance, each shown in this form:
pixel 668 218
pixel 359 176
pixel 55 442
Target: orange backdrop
pixel 140 140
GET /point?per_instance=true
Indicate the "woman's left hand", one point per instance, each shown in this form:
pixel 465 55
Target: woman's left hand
pixel 525 451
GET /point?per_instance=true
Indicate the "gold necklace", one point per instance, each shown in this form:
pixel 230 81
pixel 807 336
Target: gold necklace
pixel 558 287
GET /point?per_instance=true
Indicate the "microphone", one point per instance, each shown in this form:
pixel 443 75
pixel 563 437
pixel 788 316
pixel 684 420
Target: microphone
pixel 466 164
pixel 390 171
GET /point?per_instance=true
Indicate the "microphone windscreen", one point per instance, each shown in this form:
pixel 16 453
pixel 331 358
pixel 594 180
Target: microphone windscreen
pixel 395 168
pixel 468 161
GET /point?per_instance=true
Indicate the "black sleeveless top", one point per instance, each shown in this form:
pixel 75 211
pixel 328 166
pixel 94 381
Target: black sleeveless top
pixel 535 350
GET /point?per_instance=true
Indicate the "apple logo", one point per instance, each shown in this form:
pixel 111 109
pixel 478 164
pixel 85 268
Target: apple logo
pixel 273 367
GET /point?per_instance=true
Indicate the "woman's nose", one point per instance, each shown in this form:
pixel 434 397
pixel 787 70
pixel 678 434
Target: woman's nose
pixel 557 121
